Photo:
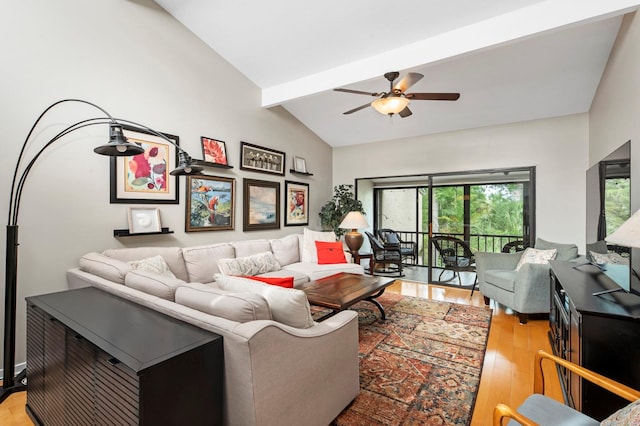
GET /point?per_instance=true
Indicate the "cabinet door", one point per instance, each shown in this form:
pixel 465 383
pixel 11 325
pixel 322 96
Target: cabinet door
pixel 117 392
pixel 575 389
pixel 54 372
pixel 80 380
pixel 35 357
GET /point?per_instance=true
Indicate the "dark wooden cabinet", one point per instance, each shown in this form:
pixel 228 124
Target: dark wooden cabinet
pixel 94 358
pixel 601 333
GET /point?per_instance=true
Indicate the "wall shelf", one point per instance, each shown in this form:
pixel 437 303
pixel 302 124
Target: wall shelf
pixel 295 172
pixel 126 233
pixel 210 164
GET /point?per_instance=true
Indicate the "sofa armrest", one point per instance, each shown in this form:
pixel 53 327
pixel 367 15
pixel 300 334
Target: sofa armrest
pixel 532 292
pixel 486 261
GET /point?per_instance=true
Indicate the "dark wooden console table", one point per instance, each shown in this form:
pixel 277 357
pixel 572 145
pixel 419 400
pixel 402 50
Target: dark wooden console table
pixel 601 333
pixel 95 358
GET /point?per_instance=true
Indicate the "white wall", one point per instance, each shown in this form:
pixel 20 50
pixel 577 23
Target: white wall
pixel 557 147
pixel 137 62
pixel 614 115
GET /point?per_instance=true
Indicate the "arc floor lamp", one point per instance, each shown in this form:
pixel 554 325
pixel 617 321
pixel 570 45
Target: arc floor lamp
pixel 116 146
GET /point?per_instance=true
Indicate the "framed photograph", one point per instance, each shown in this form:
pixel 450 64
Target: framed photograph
pixel 296 203
pixel 299 165
pixel 214 151
pixel 210 203
pixel 259 159
pixel 143 220
pixel 145 178
pixel 261 205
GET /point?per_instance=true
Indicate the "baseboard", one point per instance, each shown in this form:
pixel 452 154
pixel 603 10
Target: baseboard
pixel 18 369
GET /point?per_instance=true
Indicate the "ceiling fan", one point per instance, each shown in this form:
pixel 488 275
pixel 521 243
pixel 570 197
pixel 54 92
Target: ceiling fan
pixel 396 101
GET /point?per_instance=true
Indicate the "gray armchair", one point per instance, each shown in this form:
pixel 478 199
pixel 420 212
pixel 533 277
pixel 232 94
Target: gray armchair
pixel 526 291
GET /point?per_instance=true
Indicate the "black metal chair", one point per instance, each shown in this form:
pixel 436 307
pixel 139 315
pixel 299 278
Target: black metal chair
pixel 456 256
pixel 382 255
pixel 391 238
pixel 515 246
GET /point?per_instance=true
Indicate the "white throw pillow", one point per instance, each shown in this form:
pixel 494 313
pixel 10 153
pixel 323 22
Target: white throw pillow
pixel 288 305
pixel 286 250
pixel 260 263
pixel 155 264
pixel 309 252
pixel 533 255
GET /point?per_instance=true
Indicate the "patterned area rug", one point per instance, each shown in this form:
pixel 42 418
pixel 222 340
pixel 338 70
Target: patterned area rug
pixel 421 366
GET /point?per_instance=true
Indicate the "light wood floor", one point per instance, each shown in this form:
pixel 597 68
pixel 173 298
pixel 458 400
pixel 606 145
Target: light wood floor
pixel 507 375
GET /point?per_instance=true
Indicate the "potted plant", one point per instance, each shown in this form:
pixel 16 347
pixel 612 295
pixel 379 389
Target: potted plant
pixel 334 210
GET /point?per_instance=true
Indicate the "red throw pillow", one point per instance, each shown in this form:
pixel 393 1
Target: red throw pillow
pixel 280 282
pixel 329 252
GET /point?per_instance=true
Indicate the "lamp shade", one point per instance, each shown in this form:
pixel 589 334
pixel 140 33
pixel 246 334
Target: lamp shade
pixel 390 105
pixel 118 145
pixel 628 234
pixel 354 220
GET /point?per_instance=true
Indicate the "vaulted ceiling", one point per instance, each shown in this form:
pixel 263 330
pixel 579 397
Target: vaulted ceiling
pixel 510 60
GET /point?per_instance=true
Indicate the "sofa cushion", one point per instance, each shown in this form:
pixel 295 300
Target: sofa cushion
pixel 105 267
pixel 309 253
pixel 565 251
pixel 286 282
pixel 288 305
pixel 202 261
pixel 251 265
pixel 240 307
pixel 286 249
pixel 154 284
pixel 315 271
pixel 532 255
pixel 171 255
pixel 501 278
pixel 155 264
pixel 330 252
pixel 250 247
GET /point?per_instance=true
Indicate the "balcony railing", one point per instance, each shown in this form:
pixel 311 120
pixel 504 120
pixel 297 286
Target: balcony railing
pixel 477 242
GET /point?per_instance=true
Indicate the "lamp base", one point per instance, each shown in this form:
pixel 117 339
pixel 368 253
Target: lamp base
pixel 354 240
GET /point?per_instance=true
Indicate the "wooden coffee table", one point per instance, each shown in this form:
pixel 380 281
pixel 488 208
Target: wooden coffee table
pixel 338 292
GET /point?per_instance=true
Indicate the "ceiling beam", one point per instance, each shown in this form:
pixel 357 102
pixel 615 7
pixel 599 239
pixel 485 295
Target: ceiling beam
pixel 549 15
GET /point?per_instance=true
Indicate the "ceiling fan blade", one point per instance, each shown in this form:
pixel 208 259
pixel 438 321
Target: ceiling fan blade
pixel 357 92
pixel 433 96
pixel 357 109
pixel 405 112
pixel 407 81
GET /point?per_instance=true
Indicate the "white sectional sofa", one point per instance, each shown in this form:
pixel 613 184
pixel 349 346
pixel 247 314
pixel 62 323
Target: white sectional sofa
pixel 281 367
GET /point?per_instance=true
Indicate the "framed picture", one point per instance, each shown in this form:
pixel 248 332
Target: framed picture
pixel 210 203
pixel 145 178
pixel 214 151
pixel 296 203
pixel 259 159
pixel 261 205
pixel 299 164
pixel 143 220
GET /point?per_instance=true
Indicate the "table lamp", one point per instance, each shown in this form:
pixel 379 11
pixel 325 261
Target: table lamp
pixel 353 221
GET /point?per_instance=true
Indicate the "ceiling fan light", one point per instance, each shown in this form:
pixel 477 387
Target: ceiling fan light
pixel 390 105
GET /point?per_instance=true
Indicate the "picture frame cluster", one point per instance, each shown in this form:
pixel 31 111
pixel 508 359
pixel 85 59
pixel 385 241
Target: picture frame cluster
pixel 209 200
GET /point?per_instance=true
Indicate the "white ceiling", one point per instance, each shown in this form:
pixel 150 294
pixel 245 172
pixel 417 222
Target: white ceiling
pixel 511 60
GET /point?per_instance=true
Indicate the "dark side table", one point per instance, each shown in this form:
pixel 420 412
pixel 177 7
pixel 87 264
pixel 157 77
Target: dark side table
pixel 93 356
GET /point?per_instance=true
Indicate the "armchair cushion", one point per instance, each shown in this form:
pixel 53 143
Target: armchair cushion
pixel 547 411
pixel 565 251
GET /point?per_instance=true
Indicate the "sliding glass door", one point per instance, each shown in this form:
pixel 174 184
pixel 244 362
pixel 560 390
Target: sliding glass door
pixel 485 209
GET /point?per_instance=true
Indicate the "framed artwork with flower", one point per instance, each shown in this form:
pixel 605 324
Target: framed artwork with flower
pixel 214 151
pixel 145 178
pixel 296 203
